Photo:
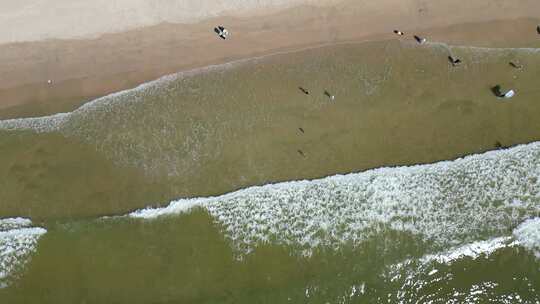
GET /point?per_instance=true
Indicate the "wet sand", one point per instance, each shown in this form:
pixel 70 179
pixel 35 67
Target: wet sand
pixel 82 69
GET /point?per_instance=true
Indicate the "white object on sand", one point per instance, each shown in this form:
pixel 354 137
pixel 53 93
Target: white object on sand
pixel 49 81
pixel 509 94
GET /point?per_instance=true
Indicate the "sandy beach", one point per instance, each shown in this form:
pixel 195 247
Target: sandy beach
pixel 218 132
pixel 313 156
pixel 110 53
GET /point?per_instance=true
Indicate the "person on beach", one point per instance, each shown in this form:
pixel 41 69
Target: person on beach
pixel 332 97
pixel 454 61
pixel 400 33
pixel 498 92
pixel 420 39
pixel 538 29
pixel 222 32
pixel 516 65
pixel 303 90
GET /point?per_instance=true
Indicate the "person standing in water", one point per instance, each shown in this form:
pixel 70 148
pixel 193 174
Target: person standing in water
pixel 332 97
pixel 303 90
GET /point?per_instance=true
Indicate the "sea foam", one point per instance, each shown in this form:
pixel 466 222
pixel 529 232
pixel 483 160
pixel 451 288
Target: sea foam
pixel 60 121
pixel 14 223
pixel 57 122
pixel 528 235
pixel 448 203
pixel 17 243
pixel 415 277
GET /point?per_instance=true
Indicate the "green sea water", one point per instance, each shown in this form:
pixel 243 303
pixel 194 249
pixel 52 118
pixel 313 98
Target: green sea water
pixel 186 259
pixel 462 231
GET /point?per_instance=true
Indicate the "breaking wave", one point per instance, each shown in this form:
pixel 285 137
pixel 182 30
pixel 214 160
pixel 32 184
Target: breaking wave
pixel 528 235
pixel 18 240
pixel 447 203
pixel 413 276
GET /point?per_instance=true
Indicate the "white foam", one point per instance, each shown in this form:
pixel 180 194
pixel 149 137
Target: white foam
pixel 528 235
pixel 449 203
pixel 13 223
pixel 480 49
pixel 37 124
pixel 416 275
pixel 176 207
pixel 472 251
pixel 16 246
pixel 58 122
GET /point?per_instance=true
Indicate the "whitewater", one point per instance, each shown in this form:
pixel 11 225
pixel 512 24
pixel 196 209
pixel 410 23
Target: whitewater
pixel 448 203
pixel 18 241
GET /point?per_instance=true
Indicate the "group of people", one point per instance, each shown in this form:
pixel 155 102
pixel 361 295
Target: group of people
pixel 224 33
pixel 456 61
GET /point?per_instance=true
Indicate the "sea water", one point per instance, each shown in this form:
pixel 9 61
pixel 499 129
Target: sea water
pixel 459 231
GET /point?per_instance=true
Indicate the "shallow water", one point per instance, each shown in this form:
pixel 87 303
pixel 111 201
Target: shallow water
pixel 461 231
pixel 227 127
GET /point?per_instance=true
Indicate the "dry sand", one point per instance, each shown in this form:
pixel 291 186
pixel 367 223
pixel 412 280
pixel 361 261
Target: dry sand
pixel 172 37
pixel 34 20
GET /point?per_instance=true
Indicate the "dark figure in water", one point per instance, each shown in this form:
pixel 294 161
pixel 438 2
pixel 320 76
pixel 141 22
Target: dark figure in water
pixel 516 65
pixel 420 39
pixel 304 90
pixel 497 90
pixel 538 29
pixel 329 95
pixel 454 61
pixel 301 153
pixel 301 130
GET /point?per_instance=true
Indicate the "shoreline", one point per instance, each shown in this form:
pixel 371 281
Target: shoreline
pixel 185 204
pixel 195 142
pixel 397 104
pixel 164 79
pixel 85 69
pixel 247 60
